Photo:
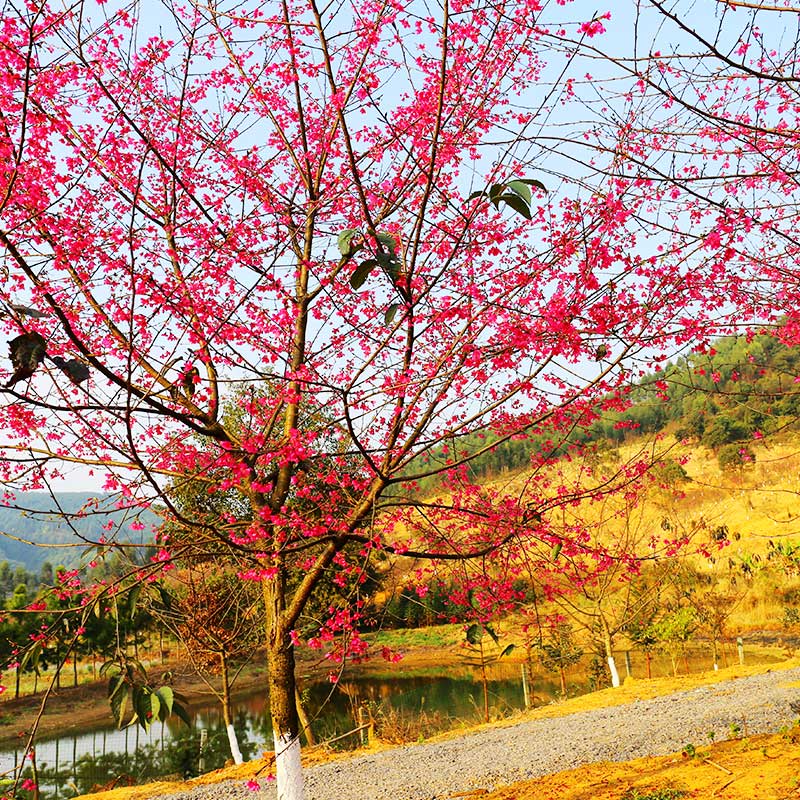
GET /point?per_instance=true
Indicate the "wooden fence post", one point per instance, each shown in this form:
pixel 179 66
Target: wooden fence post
pixel 525 692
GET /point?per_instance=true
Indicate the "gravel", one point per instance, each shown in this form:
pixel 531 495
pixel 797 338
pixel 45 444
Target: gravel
pixel 511 753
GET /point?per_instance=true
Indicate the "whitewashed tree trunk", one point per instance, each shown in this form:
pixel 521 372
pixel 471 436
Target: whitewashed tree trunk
pixel 236 753
pixel 612 665
pixel 608 645
pixel 227 711
pixel 282 692
pixel 288 769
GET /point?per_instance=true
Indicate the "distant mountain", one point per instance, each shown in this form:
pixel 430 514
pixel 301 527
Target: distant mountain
pixel 62 526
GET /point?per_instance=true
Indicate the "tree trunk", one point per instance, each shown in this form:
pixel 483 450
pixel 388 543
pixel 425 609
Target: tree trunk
pixel 282 706
pixel 612 664
pixel 648 657
pixel 236 753
pixel 485 682
pixel 563 675
pixel 305 722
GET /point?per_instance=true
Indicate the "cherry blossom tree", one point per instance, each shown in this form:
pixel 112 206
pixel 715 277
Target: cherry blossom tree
pixel 428 220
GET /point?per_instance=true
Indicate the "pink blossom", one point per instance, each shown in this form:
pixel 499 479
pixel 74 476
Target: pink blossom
pixel 592 28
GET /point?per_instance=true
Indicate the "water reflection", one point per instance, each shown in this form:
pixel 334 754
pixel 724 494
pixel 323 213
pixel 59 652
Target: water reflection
pixel 65 769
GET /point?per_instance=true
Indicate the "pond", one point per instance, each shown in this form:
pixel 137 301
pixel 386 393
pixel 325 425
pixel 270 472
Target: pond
pixel 403 704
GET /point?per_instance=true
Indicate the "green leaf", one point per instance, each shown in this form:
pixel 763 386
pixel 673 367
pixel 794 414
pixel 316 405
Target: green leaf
pixel 475 633
pixel 133 599
pixel 388 241
pixel 165 597
pixel 556 551
pixel 118 702
pixel 390 265
pixel 362 272
pixel 109 667
pixel 509 649
pixel 521 188
pixel 389 316
pixel 490 631
pixel 179 710
pixel 155 706
pixel 517 203
pixel 115 684
pixel 74 369
pixel 517 187
pixel 345 241
pixel 134 664
pixel 167 697
pixel 142 705
pixel 31 658
pixel 537 184
pixel 495 190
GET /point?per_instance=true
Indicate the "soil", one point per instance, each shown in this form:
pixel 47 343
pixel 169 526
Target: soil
pixel 758 768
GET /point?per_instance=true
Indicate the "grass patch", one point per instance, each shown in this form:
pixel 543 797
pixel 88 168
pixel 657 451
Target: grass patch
pixel 435 636
pixel 664 793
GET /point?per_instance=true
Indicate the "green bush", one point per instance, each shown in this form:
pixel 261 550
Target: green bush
pixel 735 456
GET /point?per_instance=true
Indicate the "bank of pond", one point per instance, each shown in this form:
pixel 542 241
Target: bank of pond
pixel 396 705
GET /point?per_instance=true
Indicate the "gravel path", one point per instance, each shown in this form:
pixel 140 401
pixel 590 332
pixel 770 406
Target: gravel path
pixel 504 755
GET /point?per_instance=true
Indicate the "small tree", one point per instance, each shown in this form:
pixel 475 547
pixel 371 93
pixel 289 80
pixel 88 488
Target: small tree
pixel 641 631
pixel 674 630
pixel 559 651
pixel 216 616
pixel 480 654
pixel 604 594
pixel 712 610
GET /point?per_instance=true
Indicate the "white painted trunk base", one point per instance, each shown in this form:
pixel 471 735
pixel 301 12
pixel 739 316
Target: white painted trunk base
pixel 288 771
pixel 612 665
pixel 234 743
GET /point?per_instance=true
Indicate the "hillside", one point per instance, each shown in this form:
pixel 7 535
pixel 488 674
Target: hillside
pixel 41 527
pixel 739 390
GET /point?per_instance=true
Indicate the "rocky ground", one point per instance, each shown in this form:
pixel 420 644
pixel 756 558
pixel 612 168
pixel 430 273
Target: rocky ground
pixel 507 754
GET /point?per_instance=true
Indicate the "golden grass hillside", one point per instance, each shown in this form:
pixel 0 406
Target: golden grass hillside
pixel 738 522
